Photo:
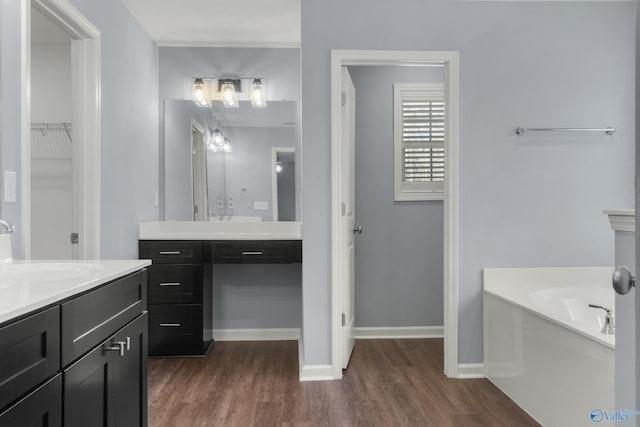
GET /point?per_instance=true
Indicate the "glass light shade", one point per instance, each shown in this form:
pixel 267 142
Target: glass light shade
pixel 228 94
pixel 218 138
pixel 257 94
pixel 278 167
pixel 227 146
pixel 199 95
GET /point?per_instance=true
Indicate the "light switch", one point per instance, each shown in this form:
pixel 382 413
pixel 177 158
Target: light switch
pixel 261 206
pixel 10 187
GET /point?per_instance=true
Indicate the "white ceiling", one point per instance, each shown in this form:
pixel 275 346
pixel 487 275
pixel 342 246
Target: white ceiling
pixel 237 23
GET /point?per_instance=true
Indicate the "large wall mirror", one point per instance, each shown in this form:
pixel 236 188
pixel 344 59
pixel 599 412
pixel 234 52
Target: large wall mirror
pixel 255 177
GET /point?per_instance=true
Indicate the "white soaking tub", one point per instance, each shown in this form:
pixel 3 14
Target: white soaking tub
pixel 543 345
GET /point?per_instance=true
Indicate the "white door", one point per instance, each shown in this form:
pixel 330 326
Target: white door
pixel 348 212
pixel 199 169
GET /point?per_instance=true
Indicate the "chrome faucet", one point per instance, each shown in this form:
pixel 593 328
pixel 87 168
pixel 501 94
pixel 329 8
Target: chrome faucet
pixel 609 321
pixel 6 227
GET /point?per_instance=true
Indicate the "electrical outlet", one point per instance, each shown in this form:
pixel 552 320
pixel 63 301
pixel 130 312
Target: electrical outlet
pixel 10 187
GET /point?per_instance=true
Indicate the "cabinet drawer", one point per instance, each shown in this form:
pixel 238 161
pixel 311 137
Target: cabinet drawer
pixel 42 407
pixel 175 329
pixel 90 318
pixel 171 252
pixel 175 284
pixel 29 353
pixel 257 252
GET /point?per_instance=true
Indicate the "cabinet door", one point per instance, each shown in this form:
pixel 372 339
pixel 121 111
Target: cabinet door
pixel 41 408
pixel 131 376
pixel 89 388
pixel 108 386
pixel 29 353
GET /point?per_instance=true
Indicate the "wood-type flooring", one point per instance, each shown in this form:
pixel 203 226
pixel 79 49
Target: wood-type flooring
pixel 388 383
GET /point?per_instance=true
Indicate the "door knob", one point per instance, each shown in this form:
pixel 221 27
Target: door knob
pixel 357 229
pixel 623 280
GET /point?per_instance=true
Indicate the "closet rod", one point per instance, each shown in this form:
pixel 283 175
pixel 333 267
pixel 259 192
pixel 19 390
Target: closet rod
pixel 608 131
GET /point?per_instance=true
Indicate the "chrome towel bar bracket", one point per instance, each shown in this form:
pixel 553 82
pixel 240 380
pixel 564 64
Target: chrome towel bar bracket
pixel 608 131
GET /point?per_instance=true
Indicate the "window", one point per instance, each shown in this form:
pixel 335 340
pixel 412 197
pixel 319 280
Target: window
pixel 419 141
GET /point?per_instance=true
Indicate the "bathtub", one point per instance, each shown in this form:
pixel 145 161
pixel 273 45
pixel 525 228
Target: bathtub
pixel 542 343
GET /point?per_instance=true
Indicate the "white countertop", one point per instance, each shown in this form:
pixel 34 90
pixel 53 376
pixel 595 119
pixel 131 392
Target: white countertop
pixel 220 230
pixel 26 286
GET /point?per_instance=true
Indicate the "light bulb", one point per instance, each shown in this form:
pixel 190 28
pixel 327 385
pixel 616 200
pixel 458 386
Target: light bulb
pixel 258 96
pixel 228 94
pixel 278 167
pixel 199 97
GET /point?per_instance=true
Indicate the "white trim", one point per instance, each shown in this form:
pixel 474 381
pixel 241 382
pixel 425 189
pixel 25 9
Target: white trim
pixel 289 45
pixel 274 334
pixel 622 219
pixel 340 58
pixel 316 373
pixel 399 332
pixel 312 372
pixel 85 54
pixel 274 177
pixel 470 370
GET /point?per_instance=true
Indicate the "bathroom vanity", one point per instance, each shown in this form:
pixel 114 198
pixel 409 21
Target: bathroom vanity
pixel 181 278
pixel 73 343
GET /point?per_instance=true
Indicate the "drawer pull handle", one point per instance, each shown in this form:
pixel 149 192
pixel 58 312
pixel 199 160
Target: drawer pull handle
pixel 170 252
pixel 171 284
pixel 252 253
pixel 119 347
pixel 170 325
pixel 128 341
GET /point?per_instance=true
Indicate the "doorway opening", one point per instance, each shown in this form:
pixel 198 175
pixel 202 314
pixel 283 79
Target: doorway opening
pixel 199 173
pixel 343 226
pixel 64 115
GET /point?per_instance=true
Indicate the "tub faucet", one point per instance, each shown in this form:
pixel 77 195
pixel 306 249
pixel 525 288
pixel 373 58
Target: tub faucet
pixel 609 321
pixel 6 227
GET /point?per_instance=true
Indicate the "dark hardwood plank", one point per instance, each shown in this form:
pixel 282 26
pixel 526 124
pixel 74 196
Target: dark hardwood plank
pixel 388 383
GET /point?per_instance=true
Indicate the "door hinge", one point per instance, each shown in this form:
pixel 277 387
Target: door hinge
pixel 344 319
pixel 344 209
pixel 74 238
pixel 344 99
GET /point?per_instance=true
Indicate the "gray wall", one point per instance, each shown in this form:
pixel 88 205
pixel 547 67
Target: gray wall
pixel 248 166
pixel 399 257
pixel 626 330
pixel 129 114
pixel 257 296
pixel 286 191
pixel 528 201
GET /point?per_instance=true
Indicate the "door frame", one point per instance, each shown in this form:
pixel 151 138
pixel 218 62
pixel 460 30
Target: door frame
pixel 85 64
pixel 198 128
pixel 450 61
pixel 274 177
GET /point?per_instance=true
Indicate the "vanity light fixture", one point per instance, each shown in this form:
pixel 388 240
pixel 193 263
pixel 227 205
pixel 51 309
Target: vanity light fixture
pixel 278 167
pixel 257 94
pixel 229 91
pixel 228 94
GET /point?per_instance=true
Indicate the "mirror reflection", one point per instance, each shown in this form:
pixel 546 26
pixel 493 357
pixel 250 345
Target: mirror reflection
pixel 248 177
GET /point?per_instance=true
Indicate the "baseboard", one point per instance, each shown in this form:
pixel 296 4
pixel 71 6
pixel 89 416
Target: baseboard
pixel 312 372
pixel 316 373
pixel 400 332
pixel 471 370
pixel 281 334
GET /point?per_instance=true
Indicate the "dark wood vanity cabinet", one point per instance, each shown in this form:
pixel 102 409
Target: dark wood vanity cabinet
pixel 180 297
pixel 180 286
pixel 81 362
